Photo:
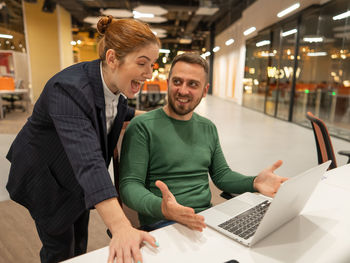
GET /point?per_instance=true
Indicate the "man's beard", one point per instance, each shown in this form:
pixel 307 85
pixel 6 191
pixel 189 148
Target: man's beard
pixel 182 111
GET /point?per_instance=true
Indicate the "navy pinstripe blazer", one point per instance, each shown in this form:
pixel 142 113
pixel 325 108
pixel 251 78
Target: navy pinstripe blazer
pixel 60 157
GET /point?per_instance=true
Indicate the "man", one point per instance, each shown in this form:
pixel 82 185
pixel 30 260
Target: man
pixel 175 147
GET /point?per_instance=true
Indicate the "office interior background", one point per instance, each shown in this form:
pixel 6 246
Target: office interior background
pixel 267 69
pixel 281 65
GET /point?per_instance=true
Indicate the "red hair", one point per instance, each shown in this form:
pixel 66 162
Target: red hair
pixel 123 36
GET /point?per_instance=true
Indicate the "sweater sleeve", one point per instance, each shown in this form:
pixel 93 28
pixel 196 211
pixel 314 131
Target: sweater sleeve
pixel 223 177
pixel 133 172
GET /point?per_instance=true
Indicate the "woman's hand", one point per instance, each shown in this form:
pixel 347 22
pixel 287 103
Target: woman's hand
pixel 126 242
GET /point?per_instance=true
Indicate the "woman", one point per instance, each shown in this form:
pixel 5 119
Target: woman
pixel 60 157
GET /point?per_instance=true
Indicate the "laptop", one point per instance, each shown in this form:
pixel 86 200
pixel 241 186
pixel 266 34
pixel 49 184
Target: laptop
pixel 250 217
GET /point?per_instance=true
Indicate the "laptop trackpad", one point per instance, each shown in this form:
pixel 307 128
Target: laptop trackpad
pixel 240 203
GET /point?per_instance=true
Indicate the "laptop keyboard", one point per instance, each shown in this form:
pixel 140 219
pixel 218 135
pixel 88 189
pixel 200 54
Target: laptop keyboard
pixel 245 224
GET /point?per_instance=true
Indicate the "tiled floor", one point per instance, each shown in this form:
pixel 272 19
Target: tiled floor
pixel 250 140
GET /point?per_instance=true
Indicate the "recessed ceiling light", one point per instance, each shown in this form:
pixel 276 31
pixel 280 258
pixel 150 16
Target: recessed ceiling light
pixel 313 39
pixel 249 31
pixel 156 19
pixel 342 16
pixel 316 54
pixel 288 10
pixel 119 13
pixel 142 15
pixel 92 19
pixel 263 43
pixel 229 42
pixel 216 49
pixel 185 41
pixel 153 9
pixel 159 30
pixel 289 32
pixel 6 36
pixel 166 51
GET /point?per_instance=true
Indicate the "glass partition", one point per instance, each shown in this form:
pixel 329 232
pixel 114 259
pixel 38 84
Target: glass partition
pixel 324 83
pixel 303 64
pixel 255 74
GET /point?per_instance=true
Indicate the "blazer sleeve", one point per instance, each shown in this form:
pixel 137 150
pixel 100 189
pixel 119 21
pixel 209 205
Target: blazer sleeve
pixel 78 135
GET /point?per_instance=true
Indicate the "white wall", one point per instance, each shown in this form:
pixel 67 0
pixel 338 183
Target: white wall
pixel 228 70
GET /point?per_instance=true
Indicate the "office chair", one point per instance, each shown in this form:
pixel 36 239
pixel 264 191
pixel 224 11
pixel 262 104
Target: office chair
pixel 152 98
pixel 323 142
pixel 13 98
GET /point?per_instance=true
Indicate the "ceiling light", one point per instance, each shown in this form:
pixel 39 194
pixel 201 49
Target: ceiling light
pixel 289 32
pixel 334 56
pixel 216 49
pixel 263 43
pixel 156 19
pixel 288 10
pixel 161 35
pixel 229 42
pixel 6 36
pixel 185 41
pixel 341 16
pixel 142 15
pixel 91 20
pixel 316 54
pixel 73 43
pixel 158 30
pixel 206 54
pixel 153 9
pixel 206 11
pixel 120 13
pixel 164 50
pixel 267 54
pixel 313 39
pixel 249 31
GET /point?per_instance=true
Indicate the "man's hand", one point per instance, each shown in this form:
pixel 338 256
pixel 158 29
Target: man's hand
pixel 267 182
pixel 125 244
pixel 172 210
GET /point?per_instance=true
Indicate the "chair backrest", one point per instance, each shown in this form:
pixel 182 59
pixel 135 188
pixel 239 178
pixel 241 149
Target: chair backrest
pixel 323 141
pixel 153 88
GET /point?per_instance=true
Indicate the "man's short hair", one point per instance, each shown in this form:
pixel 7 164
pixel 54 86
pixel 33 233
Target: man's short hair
pixel 191 58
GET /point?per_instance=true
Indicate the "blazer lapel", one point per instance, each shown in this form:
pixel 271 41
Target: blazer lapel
pixel 96 83
pixel 117 125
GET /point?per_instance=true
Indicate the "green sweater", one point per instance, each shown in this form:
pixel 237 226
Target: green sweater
pixel 180 153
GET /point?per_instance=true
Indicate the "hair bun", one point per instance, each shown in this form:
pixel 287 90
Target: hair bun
pixel 103 23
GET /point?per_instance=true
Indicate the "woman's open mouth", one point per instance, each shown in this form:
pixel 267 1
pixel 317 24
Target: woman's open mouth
pixel 136 86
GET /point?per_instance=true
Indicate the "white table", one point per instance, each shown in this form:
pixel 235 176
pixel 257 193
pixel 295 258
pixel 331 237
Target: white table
pixel 320 234
pixel 11 92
